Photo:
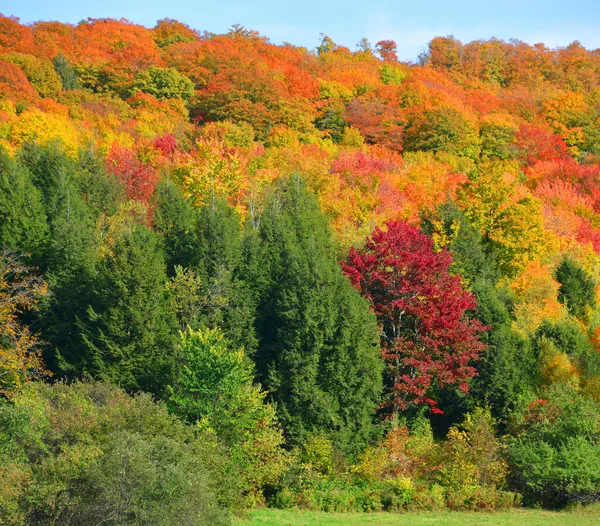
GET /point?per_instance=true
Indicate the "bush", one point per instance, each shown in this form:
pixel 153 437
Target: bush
pixel 555 448
pixel 75 454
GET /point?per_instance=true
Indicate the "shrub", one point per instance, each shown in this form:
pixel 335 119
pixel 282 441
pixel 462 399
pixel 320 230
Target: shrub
pixel 555 448
pixel 74 454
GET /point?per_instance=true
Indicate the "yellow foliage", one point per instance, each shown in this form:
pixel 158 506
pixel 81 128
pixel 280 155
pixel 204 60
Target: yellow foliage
pixel 35 125
pixel 213 170
pixel 473 454
pixel 20 291
pixel 555 365
pixel 536 293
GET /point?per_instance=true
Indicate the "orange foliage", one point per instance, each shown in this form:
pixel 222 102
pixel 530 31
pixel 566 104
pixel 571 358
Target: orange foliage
pixel 14 36
pixel 14 84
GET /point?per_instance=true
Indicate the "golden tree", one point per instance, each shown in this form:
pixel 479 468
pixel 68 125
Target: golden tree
pixel 20 291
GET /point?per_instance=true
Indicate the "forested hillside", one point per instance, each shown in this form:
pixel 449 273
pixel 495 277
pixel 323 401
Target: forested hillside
pixel 238 274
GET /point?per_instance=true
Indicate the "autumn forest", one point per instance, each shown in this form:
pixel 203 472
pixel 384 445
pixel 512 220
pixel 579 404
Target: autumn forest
pixel 236 275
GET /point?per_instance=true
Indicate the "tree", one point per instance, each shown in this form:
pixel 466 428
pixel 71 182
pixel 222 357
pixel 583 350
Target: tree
pixel 426 337
pixel 387 49
pixel 577 288
pixel 554 447
pixel 22 219
pixel 66 72
pixel 317 351
pixel 163 83
pixel 214 389
pixel 443 129
pixel 127 331
pixel 20 291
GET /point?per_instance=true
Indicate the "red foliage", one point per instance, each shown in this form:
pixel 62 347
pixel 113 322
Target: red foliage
pixel 167 144
pixel 421 308
pixel 387 50
pixel 538 144
pixel 589 234
pixel 378 117
pixel 583 178
pixel 140 178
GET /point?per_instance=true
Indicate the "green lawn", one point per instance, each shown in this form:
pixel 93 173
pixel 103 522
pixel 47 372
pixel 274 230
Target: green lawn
pixel 270 517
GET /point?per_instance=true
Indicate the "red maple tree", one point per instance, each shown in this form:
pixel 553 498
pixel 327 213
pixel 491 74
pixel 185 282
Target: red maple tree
pixel 421 308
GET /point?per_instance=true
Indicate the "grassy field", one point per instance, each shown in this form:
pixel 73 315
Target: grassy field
pixel 270 517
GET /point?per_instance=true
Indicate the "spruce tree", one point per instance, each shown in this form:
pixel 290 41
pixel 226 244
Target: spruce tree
pixel 176 221
pixel 317 350
pixel 577 288
pixel 23 223
pixel 69 265
pixel 128 330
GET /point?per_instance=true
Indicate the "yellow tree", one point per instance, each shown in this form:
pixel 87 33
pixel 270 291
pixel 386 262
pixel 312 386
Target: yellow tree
pixel 20 291
pixel 509 217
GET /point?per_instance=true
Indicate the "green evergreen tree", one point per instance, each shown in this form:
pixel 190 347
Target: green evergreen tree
pixel 23 223
pixel 577 288
pixel 203 250
pixel 176 221
pixel 103 192
pixel 51 169
pixel 65 71
pixel 470 258
pixel 317 340
pixel 69 265
pixel 507 369
pixel 128 330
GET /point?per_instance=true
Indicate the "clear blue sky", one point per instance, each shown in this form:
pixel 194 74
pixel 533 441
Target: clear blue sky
pixel 410 23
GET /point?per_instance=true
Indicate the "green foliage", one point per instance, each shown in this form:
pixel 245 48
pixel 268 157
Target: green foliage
pixel 203 249
pixel 508 368
pixel 128 331
pixel 450 228
pixel 443 129
pixel 163 83
pixel 23 223
pixel 577 288
pixel 214 389
pixel 317 341
pixel 392 75
pixel 569 337
pixel 88 453
pixel 176 221
pixel 101 190
pixel 554 447
pixel 496 140
pixel 66 72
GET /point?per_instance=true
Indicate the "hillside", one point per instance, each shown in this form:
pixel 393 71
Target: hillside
pixel 365 284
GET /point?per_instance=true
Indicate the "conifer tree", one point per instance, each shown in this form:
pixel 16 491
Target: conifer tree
pixel 128 329
pixel 23 223
pixel 317 341
pixel 577 288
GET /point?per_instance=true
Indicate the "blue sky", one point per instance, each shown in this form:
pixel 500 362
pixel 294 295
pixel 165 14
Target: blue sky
pixel 410 23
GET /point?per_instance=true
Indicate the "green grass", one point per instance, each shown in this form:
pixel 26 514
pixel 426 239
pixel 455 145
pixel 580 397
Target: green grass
pixel 521 517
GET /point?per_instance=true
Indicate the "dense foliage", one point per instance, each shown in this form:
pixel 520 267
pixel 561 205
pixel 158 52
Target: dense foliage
pixel 285 248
